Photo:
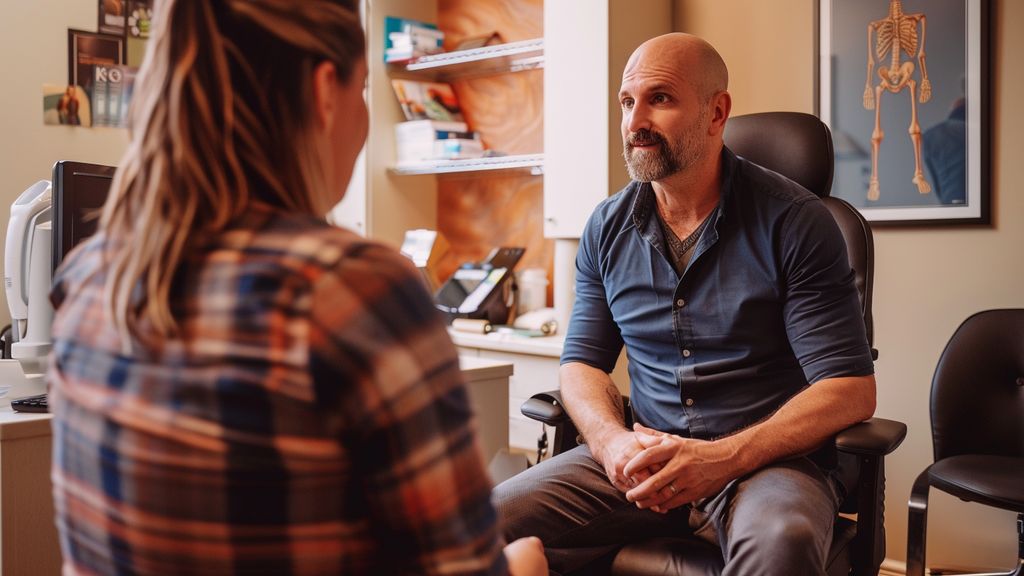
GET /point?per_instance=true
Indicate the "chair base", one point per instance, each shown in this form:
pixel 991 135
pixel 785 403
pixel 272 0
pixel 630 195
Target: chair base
pixel 1018 572
pixel 917 532
pixel 693 557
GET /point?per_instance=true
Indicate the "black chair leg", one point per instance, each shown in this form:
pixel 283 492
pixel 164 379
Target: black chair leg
pixel 917 533
pixel 1020 546
pixel 917 525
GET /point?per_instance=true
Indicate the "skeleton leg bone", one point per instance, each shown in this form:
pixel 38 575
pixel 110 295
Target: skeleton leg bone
pixel 915 136
pixel 876 141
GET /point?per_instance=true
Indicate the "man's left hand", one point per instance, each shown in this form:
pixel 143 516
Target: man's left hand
pixel 690 469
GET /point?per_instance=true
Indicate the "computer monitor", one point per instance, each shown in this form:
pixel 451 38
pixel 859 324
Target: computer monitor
pixel 79 191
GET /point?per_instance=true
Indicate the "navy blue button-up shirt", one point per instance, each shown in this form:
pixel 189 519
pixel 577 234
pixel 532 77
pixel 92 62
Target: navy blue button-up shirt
pixel 766 305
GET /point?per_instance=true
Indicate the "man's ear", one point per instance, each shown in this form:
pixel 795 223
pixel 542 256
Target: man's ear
pixel 325 83
pixel 721 105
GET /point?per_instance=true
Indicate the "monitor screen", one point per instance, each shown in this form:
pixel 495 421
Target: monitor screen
pixel 79 191
pixel 468 288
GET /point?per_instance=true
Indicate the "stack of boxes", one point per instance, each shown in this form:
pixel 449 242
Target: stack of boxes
pixel 422 140
pixel 409 39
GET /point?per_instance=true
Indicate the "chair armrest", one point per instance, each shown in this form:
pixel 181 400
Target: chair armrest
pixel 872 437
pixel 869 442
pixel 546 407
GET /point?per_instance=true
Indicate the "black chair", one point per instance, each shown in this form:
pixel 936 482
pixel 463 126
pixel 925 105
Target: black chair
pixel 798 146
pixel 977 411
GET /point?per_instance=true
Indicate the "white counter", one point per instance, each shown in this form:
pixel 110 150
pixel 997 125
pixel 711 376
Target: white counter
pixel 475 369
pixel 487 382
pixel 29 536
pixel 550 346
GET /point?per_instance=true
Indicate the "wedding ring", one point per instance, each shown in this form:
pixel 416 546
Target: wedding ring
pixel 671 487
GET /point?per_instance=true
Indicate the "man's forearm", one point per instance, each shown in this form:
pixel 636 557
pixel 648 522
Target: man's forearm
pixel 593 401
pixel 699 468
pixel 804 423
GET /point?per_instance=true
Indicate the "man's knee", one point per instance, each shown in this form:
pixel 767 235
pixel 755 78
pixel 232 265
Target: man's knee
pixel 780 545
pixel 780 521
pixel 515 501
pixel 782 535
pixel 536 498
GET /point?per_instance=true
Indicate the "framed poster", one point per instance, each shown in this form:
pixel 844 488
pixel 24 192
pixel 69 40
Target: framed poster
pixel 903 84
pixel 111 17
pixel 86 51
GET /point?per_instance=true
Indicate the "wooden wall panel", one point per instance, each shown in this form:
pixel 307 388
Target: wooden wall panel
pixel 507 110
pixel 477 212
pixel 514 19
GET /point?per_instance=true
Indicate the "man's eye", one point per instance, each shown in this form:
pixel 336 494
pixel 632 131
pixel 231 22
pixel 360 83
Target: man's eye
pixel 626 103
pixel 659 99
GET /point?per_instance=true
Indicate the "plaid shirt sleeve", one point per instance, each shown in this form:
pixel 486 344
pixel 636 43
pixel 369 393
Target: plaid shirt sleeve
pixel 405 416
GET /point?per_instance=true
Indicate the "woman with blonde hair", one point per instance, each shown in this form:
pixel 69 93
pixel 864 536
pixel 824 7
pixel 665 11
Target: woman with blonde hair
pixel 238 387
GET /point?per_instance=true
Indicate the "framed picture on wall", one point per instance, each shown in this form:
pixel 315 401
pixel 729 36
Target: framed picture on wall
pixel 89 50
pixel 903 84
pixel 111 17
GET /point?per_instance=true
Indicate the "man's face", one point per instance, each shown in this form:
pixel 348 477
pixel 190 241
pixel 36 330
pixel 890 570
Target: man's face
pixel 664 121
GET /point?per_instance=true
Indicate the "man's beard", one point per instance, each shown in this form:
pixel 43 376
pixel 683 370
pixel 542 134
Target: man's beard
pixel 667 157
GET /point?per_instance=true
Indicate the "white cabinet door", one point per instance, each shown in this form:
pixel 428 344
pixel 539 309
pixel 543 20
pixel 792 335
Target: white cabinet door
pixel 585 50
pixel 575 114
pixel 531 374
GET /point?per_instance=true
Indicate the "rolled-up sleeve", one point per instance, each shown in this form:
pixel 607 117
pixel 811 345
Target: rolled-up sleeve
pixel 593 337
pixel 822 310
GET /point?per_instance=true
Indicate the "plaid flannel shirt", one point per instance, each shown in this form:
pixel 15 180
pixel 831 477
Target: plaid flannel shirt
pixel 308 418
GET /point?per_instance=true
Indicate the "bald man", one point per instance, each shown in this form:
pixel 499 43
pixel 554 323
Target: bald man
pixel 730 288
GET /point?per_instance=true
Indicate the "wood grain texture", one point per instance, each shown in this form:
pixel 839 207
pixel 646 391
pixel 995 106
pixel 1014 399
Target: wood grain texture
pixel 507 110
pixel 477 212
pixel 514 19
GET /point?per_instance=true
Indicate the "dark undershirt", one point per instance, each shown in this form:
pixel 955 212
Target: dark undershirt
pixel 680 251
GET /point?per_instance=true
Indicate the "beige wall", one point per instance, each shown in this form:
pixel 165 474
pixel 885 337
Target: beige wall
pixel 927 280
pixel 768 47
pixel 33 39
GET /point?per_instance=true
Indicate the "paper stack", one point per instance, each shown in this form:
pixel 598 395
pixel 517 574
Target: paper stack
pixel 422 140
pixel 409 39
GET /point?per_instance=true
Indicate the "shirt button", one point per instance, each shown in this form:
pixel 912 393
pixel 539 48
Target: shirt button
pixel 680 303
pixel 686 353
pixel 689 401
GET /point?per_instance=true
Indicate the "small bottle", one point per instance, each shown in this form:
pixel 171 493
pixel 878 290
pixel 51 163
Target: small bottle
pixel 533 289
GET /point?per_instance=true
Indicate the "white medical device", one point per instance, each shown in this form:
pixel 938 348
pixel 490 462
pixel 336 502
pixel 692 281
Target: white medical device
pixel 27 278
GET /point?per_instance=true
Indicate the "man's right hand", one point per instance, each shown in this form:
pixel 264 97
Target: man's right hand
pixel 526 557
pixel 595 405
pixel 614 452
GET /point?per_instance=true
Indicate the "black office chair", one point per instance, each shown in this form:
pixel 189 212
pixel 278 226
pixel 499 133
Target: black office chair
pixel 977 410
pixel 798 146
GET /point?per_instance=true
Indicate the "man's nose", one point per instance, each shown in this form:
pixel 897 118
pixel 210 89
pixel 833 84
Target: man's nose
pixel 638 118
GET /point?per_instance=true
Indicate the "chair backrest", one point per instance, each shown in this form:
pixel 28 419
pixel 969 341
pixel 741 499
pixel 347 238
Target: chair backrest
pixel 799 146
pixel 977 397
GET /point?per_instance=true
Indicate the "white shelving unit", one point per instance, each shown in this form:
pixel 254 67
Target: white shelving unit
pixel 532 162
pixel 487 60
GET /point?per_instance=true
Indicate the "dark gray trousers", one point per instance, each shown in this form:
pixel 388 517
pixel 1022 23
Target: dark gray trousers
pixel 777 520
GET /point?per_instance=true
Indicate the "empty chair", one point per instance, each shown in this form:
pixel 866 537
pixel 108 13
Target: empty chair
pixel 977 413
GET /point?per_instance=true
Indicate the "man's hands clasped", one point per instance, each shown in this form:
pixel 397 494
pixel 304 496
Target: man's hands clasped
pixel 616 451
pixel 668 471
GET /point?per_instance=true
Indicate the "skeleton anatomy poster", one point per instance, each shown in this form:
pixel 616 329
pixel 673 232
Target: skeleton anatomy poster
pixel 902 88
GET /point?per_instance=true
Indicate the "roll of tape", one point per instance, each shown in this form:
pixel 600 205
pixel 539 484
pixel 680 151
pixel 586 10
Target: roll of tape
pixel 472 325
pixel 548 328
